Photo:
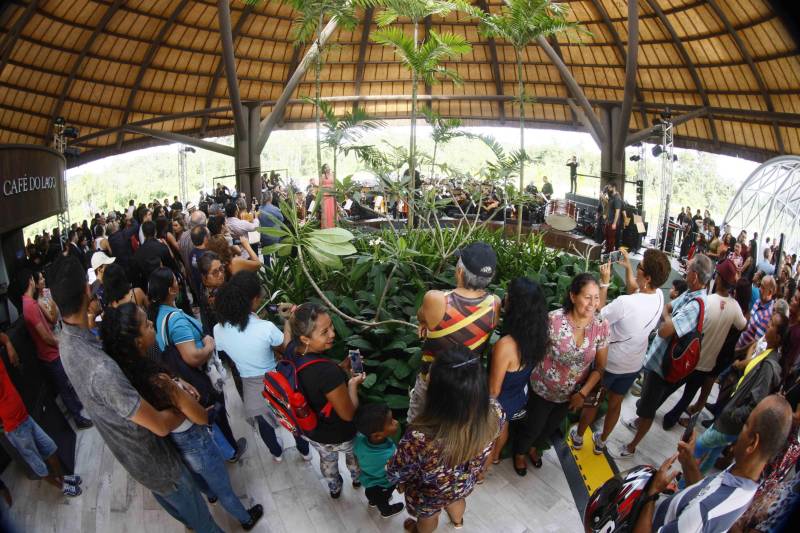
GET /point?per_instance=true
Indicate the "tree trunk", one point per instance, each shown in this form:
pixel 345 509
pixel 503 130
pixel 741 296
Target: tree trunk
pixel 433 161
pixel 318 93
pixel 412 149
pixel 521 142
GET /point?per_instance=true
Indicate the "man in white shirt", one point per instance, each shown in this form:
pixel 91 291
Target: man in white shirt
pixel 239 228
pixel 764 265
pixel 721 313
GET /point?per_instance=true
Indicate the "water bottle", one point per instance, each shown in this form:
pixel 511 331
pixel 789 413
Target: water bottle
pixel 305 415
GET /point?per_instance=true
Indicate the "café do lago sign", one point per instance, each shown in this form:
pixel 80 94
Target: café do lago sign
pixel 31 179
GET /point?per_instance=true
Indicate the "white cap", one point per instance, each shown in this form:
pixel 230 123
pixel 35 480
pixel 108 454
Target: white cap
pixel 100 258
pixel 190 206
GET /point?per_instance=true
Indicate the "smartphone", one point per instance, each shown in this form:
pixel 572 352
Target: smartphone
pixel 687 433
pixel 272 308
pixel 356 362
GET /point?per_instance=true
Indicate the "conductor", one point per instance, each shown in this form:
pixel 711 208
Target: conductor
pixel 572 163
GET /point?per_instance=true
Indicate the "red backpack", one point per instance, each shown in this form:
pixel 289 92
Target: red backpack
pixel 285 397
pixel 683 353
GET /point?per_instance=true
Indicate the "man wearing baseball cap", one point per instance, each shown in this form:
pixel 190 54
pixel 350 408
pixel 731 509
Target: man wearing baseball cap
pixel 463 316
pixel 721 313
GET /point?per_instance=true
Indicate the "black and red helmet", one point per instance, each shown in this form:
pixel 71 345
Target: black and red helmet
pixel 616 504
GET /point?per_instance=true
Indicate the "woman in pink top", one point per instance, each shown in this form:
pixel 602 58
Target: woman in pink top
pixel 571 368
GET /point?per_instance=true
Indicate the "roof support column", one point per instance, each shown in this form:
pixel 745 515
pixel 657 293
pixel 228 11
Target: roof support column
pixel 229 60
pixel 621 132
pixel 612 161
pixel 247 157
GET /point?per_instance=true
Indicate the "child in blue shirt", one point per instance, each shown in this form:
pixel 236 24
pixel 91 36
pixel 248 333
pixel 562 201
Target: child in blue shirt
pixel 373 448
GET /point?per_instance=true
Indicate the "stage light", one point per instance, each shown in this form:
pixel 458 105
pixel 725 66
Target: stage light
pixel 674 157
pixel 59 121
pixel 634 158
pixel 657 150
pixel 71 132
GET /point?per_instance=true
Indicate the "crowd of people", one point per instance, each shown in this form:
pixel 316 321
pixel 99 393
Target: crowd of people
pixel 145 314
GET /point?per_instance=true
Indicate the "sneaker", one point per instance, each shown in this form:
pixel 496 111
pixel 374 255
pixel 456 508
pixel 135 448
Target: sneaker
pixel 577 441
pixel 632 424
pixel 356 484
pixel 277 458
pixel 212 499
pixel 392 510
pixel 306 457
pixel 73 480
pixel 599 445
pixel 71 490
pixel 622 451
pixel 82 422
pixel 241 447
pixel 255 512
pixel 636 390
pixel 668 422
pixel 336 493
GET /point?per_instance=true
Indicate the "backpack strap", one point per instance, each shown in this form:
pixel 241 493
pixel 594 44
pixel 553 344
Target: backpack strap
pixel 165 329
pixel 701 316
pixel 327 409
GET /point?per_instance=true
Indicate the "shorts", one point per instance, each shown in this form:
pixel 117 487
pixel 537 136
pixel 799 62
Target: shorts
pixel 654 391
pixel 619 383
pixel 33 444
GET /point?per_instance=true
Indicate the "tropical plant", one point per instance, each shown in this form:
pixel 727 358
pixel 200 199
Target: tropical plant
pixel 342 131
pixel 521 22
pixel 422 58
pixel 308 24
pixel 443 130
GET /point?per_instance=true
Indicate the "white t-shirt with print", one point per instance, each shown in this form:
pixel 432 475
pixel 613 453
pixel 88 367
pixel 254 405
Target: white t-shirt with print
pixel 721 313
pixel 631 318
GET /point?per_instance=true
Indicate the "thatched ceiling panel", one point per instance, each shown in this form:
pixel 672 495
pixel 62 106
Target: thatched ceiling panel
pixel 157 57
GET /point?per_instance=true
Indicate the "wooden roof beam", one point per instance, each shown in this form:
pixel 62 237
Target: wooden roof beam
pixel 212 89
pixel 576 116
pixel 491 43
pixel 750 63
pixel 618 142
pixel 575 89
pixel 148 59
pixel 78 63
pixel 362 50
pixel 645 133
pixel 180 138
pixel 689 65
pixel 229 60
pixel 276 115
pixel 11 38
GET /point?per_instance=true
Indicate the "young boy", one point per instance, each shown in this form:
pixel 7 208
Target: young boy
pixel 22 431
pixel 679 286
pixel 373 448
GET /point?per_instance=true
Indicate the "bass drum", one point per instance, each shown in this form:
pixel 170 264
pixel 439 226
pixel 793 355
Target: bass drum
pixel 561 215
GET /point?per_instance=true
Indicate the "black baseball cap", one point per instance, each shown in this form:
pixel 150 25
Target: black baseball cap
pixel 479 258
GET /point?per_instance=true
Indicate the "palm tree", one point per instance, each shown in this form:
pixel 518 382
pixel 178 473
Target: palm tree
pixel 443 130
pixel 342 132
pixel 521 22
pixel 423 59
pixel 308 24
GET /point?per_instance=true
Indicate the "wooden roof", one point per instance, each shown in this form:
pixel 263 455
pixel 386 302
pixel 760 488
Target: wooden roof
pixel 104 63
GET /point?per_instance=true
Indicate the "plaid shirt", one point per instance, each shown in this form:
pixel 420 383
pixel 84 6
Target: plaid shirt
pixel 684 318
pixel 239 228
pixel 760 314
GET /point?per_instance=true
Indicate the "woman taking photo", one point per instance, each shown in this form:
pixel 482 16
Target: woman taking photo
pixel 187 353
pixel 128 336
pixel 331 392
pixel 231 256
pixel 249 341
pixel 515 355
pixel 443 452
pixel 631 318
pixel 572 366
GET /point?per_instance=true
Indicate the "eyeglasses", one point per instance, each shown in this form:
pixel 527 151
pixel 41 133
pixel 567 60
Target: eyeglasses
pixel 216 272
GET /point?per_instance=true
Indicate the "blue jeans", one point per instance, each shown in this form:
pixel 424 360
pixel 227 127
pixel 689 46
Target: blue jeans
pixel 201 455
pixel 186 505
pixel 271 439
pixel 222 443
pixel 710 446
pixel 33 444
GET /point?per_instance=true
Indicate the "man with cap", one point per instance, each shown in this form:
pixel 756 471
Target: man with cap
pixel 722 312
pixel 465 316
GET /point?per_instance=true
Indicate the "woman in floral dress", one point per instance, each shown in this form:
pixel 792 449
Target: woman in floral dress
pixel 571 369
pixel 445 449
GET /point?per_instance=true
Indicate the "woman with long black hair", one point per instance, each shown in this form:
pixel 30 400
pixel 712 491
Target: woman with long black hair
pixel 188 354
pixel 516 354
pixel 250 342
pixel 127 337
pixel 445 449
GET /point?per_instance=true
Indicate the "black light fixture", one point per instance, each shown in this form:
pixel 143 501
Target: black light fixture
pixel 59 121
pixel 634 157
pixel 71 132
pixel 657 150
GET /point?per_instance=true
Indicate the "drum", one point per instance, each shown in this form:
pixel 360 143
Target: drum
pixel 561 215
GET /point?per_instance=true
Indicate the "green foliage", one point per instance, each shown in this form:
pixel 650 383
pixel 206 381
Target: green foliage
pixel 521 22
pixel 311 13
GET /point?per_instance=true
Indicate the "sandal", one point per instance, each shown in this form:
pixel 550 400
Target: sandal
pixel 410 525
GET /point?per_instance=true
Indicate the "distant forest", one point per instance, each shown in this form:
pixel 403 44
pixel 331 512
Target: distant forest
pixel 153 173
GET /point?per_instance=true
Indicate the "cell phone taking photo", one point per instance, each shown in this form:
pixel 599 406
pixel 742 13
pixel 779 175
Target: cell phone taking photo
pixel 356 362
pixel 687 433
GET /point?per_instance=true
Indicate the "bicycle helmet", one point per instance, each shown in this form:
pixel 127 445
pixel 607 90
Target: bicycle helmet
pixel 615 505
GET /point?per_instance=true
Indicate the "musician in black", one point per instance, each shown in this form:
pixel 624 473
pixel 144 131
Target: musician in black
pixel 547 188
pixel 572 163
pixel 615 221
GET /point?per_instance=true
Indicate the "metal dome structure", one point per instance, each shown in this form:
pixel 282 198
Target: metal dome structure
pixel 769 201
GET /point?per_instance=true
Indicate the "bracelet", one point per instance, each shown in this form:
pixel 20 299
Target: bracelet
pixel 605 285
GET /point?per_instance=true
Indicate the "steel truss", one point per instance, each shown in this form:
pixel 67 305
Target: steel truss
pixel 769 202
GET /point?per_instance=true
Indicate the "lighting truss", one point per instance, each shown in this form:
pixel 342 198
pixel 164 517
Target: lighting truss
pixel 769 202
pixel 667 162
pixel 60 145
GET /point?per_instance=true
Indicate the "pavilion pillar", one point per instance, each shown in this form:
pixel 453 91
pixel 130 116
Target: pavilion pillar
pixel 612 157
pixel 247 155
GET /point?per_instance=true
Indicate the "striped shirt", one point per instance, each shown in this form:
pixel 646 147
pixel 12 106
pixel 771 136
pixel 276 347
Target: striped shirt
pixel 760 315
pixel 711 505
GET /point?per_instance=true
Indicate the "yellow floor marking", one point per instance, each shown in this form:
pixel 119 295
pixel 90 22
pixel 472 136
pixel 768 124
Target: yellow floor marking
pixel 594 468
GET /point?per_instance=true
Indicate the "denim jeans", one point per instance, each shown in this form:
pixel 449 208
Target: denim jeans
pixel 33 444
pixel 222 443
pixel 186 505
pixel 64 387
pixel 201 455
pixel 710 446
pixel 271 439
